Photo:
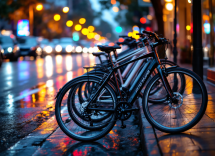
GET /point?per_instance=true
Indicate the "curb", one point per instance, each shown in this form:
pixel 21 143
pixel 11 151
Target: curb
pixel 147 134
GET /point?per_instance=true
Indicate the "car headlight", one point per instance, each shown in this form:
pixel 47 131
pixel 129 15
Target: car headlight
pixel 48 49
pixel 78 49
pixel 85 49
pixel 91 50
pixel 2 51
pixel 69 48
pixel 95 49
pixel 58 48
pixel 39 49
pixel 10 49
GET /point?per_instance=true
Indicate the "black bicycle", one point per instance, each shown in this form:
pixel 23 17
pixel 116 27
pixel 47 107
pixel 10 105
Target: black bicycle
pixel 183 92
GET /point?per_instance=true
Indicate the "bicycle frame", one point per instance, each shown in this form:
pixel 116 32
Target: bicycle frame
pixel 154 64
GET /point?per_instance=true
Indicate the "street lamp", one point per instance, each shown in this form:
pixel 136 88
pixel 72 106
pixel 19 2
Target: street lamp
pixel 39 7
pixel 57 17
pixel 66 9
pixel 82 20
pixel 69 23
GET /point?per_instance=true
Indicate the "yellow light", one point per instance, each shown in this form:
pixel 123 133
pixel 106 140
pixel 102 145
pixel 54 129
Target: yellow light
pixel 164 18
pixel 39 7
pixel 78 27
pixel 90 35
pixel 91 28
pixel 134 35
pixel 56 17
pixel 148 1
pixel 97 36
pixel 188 27
pixel 85 31
pixel 168 0
pixel 189 1
pixel 82 20
pixel 115 9
pixel 66 9
pixel 169 6
pixel 130 34
pixel 69 23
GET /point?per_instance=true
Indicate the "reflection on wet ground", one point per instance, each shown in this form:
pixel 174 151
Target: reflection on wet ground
pixel 117 142
pixel 27 94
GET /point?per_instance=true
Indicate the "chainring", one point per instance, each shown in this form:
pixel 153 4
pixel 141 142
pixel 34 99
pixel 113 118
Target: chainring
pixel 121 112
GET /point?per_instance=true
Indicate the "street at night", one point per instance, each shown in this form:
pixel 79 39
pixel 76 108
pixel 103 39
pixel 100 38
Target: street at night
pixel 107 77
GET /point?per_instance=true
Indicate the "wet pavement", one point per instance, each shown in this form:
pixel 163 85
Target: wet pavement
pixel 27 103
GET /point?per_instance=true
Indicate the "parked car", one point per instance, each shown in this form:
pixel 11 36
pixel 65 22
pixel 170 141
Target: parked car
pixel 28 46
pixel 9 48
pixel 1 56
pixel 65 46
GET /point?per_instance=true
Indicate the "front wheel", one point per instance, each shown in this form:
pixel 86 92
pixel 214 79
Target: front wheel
pixel 188 108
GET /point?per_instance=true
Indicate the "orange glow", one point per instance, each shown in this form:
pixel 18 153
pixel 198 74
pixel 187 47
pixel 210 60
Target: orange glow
pixel 78 27
pixel 91 28
pixel 111 44
pixel 121 40
pixel 115 9
pixel 82 20
pixel 113 2
pixel 39 7
pixel 57 17
pixel 66 9
pixel 97 36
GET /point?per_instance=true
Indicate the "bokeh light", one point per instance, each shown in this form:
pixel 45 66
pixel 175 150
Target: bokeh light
pixel 69 23
pixel 78 27
pixel 149 17
pixel 188 27
pixel 118 29
pixel 57 17
pixel 115 9
pixel 135 28
pixel 130 34
pixel 142 20
pixel 169 6
pixel 91 28
pixel 113 1
pixel 66 9
pixel 82 20
pixel 85 31
pixel 97 36
pixel 39 7
pixel 121 40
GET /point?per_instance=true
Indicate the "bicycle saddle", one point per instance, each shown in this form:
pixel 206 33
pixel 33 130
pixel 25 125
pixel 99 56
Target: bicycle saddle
pixel 108 48
pixel 98 54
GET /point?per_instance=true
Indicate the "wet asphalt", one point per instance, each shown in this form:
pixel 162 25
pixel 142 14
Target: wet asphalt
pixel 27 101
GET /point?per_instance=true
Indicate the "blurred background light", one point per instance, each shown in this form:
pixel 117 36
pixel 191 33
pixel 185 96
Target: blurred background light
pixel 142 20
pixel 66 9
pixel 78 49
pixel 149 17
pixel 75 36
pixel 136 28
pixel 90 50
pixel 168 0
pixel 69 23
pixel 189 1
pixel 130 34
pixel 207 27
pixel 169 6
pixel 39 7
pixel 69 48
pixel 57 17
pixel 115 9
pixel 91 28
pixel 78 27
pixel 97 36
pixel 82 20
pixel 188 27
pixel 85 31
pixel 48 49
pixel 58 48
pixel 85 50
pixel 121 40
pixel 118 29
pixel 113 1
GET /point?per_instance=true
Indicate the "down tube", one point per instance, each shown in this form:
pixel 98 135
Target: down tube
pixel 143 80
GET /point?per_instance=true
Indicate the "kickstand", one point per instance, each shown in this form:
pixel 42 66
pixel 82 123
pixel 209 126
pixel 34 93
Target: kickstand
pixel 123 125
